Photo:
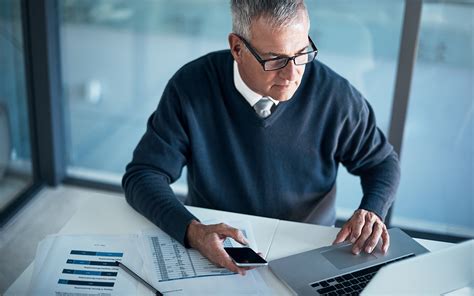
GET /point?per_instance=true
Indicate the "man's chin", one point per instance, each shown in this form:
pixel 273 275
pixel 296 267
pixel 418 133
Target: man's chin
pixel 283 95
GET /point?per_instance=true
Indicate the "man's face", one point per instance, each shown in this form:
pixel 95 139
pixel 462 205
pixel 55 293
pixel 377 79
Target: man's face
pixel 270 43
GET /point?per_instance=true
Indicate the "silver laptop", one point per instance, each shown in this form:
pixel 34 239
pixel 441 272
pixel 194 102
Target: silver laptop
pixel 449 271
pixel 335 270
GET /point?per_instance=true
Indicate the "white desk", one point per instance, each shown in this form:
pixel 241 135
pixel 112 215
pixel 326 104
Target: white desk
pixel 275 238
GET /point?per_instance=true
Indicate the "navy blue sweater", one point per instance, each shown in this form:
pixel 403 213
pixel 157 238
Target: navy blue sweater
pixel 284 166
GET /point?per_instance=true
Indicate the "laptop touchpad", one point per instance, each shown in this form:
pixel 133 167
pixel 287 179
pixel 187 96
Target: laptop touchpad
pixel 342 257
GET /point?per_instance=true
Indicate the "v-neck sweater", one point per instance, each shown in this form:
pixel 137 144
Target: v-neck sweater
pixel 284 166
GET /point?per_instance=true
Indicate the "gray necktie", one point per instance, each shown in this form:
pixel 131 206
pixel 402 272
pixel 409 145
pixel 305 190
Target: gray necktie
pixel 263 107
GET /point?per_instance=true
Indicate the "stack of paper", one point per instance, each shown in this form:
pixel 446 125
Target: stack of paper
pixel 84 265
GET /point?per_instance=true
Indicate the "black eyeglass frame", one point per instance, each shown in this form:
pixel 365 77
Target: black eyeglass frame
pixel 262 62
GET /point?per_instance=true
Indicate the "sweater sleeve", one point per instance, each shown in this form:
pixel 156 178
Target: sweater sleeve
pixel 157 162
pixel 365 152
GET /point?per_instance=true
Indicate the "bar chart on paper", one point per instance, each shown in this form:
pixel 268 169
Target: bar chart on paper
pixel 172 261
pixel 91 268
pixel 78 265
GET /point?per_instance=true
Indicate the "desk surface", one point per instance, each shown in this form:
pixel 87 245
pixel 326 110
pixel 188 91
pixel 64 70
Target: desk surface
pixel 275 238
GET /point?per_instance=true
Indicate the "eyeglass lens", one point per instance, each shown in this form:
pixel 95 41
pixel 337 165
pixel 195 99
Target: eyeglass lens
pixel 298 60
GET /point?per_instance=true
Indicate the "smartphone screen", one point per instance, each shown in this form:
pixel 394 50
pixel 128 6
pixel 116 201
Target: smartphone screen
pixel 245 257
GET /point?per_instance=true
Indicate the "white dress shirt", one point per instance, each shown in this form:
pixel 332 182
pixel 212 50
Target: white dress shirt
pixel 250 96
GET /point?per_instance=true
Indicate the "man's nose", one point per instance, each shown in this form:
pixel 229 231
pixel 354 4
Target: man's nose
pixel 290 71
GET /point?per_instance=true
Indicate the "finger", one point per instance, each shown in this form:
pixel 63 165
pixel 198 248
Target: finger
pixel 224 260
pixel 234 233
pixel 356 223
pixel 366 232
pixel 230 265
pixel 385 240
pixel 374 238
pixel 342 235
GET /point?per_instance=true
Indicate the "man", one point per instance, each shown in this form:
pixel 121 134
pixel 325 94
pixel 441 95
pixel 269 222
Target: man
pixel 262 129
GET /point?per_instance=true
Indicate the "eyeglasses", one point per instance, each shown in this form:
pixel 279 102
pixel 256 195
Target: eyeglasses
pixel 281 62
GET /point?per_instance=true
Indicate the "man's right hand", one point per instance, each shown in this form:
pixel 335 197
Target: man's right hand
pixel 209 239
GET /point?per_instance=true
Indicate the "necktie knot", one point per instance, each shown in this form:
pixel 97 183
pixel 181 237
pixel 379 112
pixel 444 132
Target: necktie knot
pixel 263 107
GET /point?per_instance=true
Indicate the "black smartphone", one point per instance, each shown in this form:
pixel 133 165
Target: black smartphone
pixel 245 257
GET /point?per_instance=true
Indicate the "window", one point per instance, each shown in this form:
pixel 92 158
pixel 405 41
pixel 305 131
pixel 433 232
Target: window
pixel 117 57
pixel 436 192
pixel 15 153
pixel 360 40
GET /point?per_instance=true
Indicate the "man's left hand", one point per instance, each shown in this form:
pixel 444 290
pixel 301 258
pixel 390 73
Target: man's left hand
pixel 364 230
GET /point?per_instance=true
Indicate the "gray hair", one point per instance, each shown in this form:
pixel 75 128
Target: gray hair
pixel 280 13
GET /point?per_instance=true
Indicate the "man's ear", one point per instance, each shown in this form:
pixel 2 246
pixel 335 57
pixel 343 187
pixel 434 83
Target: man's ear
pixel 235 45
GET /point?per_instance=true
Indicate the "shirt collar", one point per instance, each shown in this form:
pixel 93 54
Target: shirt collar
pixel 250 96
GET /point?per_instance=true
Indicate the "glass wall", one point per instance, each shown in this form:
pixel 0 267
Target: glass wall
pixel 117 57
pixel 436 191
pixel 360 40
pixel 15 153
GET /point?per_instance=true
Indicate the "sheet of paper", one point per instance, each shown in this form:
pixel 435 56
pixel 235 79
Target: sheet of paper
pixel 175 270
pixel 85 265
pixel 172 261
pixel 246 229
pixel 229 285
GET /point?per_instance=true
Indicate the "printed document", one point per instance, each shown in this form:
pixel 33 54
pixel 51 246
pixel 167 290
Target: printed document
pixel 76 265
pixel 172 267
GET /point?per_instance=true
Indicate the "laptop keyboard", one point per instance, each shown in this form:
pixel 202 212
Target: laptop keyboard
pixel 351 283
